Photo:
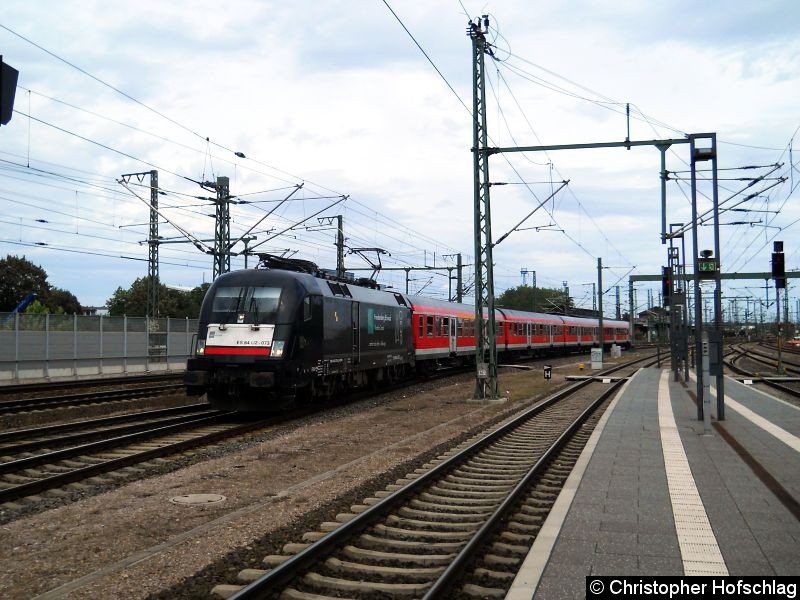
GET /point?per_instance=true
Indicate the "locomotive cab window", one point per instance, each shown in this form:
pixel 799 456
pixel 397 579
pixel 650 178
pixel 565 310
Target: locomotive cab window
pixel 257 304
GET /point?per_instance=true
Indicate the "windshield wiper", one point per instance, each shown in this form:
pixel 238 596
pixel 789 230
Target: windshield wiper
pixel 254 310
pixel 227 318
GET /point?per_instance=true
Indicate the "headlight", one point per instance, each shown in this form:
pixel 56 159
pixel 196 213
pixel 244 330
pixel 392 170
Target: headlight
pixel 277 349
pixel 201 347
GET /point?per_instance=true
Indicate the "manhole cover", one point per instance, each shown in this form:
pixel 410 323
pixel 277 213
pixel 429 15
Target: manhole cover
pixel 197 499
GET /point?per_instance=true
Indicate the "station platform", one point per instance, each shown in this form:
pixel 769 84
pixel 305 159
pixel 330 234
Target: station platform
pixel 653 495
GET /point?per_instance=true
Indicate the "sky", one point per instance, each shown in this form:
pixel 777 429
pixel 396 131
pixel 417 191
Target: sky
pixel 375 125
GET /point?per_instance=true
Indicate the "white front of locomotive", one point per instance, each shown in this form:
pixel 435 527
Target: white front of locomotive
pixel 242 322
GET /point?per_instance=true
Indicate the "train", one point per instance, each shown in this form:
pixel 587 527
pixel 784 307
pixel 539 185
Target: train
pixel 286 332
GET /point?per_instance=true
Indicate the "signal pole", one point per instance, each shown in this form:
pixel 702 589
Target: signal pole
pixel 779 275
pixel 486 384
pixel 601 337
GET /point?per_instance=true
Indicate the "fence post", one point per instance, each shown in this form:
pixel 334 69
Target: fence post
pixel 47 346
pixel 124 343
pixel 147 344
pixel 75 345
pixel 16 346
pixel 167 348
pixel 101 344
pixel 189 345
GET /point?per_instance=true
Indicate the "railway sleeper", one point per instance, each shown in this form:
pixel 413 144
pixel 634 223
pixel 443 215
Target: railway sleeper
pixel 370 541
pixel 380 573
pixel 449 502
pixel 457 495
pixel 528 519
pixel 345 517
pixel 517 538
pixel 498 470
pixel 35 473
pixel 460 517
pixel 315 581
pixel 482 486
pixel 380 557
pixel 521 456
pixel 546 496
pixel 496 560
pixel 523 528
pixel 491 576
pixel 292 594
pixel 107 457
pixel 97 480
pixel 399 533
pixel 250 575
pixel 56 469
pixel 498 480
pixel 225 590
pixel 478 591
pixel 274 560
pixel 508 549
pixel 545 488
pixel 534 506
pixel 58 493
pixel 437 507
pixel 500 464
pixel 418 524
pixel 15 478
pixel 71 464
pixel 519 443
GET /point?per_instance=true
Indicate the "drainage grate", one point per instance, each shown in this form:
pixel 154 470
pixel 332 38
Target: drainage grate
pixel 195 499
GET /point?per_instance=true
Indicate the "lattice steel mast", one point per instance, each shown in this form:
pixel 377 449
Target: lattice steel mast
pixel 486 384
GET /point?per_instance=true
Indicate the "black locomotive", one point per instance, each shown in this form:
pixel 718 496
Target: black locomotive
pixel 270 336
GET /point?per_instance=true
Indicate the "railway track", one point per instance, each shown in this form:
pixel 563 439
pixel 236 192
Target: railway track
pixel 48 386
pixel 789 348
pixel 463 524
pixel 769 359
pixel 740 353
pixel 84 398
pixel 24 476
pixel 51 436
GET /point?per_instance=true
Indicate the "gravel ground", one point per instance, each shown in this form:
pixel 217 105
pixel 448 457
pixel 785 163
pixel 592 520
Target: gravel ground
pixel 132 542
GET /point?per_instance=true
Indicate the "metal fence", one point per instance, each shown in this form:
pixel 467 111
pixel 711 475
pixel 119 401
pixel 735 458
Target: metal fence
pixel 36 346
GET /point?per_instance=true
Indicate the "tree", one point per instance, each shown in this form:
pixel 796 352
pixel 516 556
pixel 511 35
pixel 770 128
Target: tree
pixel 61 301
pixel 131 302
pixel 37 307
pixel 171 302
pixel 18 278
pixel 541 300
